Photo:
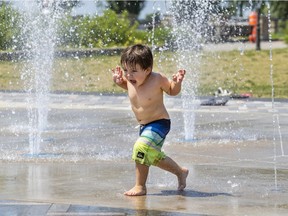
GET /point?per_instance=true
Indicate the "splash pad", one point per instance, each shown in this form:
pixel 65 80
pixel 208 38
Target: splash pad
pixel 232 164
pixel 84 156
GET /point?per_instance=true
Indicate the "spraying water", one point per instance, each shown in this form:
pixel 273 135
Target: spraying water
pixel 39 33
pixel 191 29
pixel 276 122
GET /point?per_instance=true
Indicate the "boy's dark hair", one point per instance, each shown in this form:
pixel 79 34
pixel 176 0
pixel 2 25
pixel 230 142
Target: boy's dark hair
pixel 137 54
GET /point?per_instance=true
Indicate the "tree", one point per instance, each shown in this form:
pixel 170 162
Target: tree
pixel 69 4
pixel 198 15
pixel 280 9
pixel 107 30
pixel 133 7
pixel 9 27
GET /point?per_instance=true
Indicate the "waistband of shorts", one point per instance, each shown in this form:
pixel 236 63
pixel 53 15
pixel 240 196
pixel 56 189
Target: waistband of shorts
pixel 158 120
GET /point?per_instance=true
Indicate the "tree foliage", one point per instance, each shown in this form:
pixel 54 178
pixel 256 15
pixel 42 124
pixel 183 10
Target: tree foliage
pixel 106 30
pixel 133 7
pixel 280 9
pixel 9 27
pixel 109 29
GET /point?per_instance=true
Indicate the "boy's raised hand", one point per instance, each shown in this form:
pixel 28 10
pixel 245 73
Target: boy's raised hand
pixel 179 76
pixel 117 75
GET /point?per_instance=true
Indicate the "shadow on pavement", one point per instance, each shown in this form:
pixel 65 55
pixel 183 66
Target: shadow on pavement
pixel 190 193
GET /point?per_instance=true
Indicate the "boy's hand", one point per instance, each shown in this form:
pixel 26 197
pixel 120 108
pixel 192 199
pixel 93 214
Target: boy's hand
pixel 179 76
pixel 117 75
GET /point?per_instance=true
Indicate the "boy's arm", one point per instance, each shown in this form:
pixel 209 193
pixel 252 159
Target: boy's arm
pixel 118 78
pixel 173 87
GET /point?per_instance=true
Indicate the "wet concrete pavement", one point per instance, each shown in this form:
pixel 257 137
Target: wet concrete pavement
pixel 238 162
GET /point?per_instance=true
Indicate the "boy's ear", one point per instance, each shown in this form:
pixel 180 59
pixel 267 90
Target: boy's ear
pixel 148 70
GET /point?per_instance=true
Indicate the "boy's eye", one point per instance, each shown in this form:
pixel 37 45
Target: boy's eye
pixel 132 71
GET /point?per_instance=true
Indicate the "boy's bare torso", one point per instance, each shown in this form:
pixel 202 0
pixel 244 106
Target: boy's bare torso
pixel 147 99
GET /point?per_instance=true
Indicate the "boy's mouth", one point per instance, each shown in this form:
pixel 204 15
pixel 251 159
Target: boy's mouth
pixel 132 81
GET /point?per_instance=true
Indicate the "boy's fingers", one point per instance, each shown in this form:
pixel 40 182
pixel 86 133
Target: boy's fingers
pixel 182 72
pixel 114 71
pixel 119 71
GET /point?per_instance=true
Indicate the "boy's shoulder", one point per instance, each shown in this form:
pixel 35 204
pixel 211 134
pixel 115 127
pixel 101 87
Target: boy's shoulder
pixel 158 74
pixel 159 78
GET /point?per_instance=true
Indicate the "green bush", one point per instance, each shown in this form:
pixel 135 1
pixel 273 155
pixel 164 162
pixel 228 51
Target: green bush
pixel 66 31
pixel 107 30
pixel 9 27
pixel 286 39
pixel 286 33
pixel 162 35
pixel 141 36
pixel 114 29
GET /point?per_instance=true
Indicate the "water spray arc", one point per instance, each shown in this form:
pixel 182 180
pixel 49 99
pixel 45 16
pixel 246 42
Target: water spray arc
pixel 39 33
pixel 191 30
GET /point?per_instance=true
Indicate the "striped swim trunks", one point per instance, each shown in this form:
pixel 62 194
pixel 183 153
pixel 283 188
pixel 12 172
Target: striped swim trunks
pixel 147 148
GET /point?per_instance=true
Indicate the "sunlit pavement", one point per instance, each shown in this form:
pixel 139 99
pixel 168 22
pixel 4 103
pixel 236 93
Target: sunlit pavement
pixel 238 161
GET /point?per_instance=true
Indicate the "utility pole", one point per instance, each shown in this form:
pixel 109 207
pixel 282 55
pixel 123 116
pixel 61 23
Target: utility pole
pixel 258 30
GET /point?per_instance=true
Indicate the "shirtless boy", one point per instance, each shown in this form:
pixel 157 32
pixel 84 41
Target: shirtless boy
pixel 145 90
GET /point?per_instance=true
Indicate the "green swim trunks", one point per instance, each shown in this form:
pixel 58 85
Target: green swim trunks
pixel 147 148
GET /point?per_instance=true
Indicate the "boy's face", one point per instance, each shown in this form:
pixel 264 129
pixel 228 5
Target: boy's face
pixel 135 74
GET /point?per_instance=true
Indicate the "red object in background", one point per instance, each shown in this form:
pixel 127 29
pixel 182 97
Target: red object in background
pixel 247 95
pixel 253 18
pixel 253 35
pixel 253 23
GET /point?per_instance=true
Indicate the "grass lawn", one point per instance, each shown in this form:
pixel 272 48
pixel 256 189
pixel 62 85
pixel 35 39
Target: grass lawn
pixel 248 72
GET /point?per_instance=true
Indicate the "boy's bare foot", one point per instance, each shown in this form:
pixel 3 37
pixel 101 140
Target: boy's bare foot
pixel 182 179
pixel 136 191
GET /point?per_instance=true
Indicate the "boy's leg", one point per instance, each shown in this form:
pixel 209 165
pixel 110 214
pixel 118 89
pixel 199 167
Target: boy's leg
pixel 141 176
pixel 171 166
